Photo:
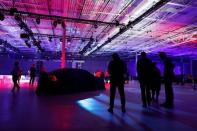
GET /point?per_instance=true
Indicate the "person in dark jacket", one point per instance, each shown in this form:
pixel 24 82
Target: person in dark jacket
pixel 155 82
pixel 168 79
pixel 15 75
pixel 32 75
pixel 117 69
pixel 144 72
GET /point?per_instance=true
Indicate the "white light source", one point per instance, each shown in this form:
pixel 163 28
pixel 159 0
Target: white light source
pixel 139 10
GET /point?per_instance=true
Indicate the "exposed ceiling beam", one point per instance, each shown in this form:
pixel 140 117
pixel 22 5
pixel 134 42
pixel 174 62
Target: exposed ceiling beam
pixel 60 36
pixel 68 19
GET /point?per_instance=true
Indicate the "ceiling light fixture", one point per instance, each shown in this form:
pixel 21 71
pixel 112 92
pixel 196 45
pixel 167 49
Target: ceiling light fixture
pixel 59 21
pixel 38 20
pixel 117 23
pixel 50 39
pixel 63 24
pixel 95 26
pixel 55 23
pixel 69 39
pixel 13 11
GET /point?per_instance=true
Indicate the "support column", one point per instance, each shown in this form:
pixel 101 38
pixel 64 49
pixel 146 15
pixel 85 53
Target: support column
pixel 63 57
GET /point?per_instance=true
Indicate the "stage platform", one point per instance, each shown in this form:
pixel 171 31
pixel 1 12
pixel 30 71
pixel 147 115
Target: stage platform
pixel 24 110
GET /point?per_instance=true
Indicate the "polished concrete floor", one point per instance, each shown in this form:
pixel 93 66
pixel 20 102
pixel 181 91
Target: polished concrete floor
pixel 23 110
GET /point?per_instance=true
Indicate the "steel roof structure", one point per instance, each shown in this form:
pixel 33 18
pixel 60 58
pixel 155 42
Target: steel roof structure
pixel 98 27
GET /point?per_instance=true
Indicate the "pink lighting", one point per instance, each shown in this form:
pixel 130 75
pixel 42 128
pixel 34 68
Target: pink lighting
pixel 6 82
pixel 163 27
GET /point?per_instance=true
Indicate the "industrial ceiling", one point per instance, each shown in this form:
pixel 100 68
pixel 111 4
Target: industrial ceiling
pixel 31 28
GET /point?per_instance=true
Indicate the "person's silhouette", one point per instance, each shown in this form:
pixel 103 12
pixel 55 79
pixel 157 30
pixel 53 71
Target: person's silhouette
pixel 144 72
pixel 168 79
pixel 15 75
pixel 155 82
pixel 32 75
pixel 19 75
pixel 117 69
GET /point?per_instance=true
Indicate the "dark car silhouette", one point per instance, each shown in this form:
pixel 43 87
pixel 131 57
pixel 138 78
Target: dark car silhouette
pixel 66 81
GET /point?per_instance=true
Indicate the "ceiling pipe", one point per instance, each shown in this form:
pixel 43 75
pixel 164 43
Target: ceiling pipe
pixel 59 36
pixel 68 19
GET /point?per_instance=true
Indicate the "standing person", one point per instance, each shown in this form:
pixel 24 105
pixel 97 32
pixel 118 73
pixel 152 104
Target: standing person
pixel 32 74
pixel 155 82
pixel 15 75
pixel 168 78
pixel 144 74
pixel 19 75
pixel 117 69
pixel 43 82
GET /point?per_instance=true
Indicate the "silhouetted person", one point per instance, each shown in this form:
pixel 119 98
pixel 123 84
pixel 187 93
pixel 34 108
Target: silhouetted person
pixel 168 79
pixel 144 71
pixel 155 82
pixel 15 75
pixel 43 80
pixel 32 75
pixel 19 75
pixel 117 69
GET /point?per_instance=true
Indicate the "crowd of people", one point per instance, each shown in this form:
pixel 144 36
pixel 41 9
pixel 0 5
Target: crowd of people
pixel 150 80
pixel 149 77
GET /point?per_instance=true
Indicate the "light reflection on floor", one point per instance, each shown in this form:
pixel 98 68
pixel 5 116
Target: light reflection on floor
pixel 88 111
pixel 6 82
pixel 154 118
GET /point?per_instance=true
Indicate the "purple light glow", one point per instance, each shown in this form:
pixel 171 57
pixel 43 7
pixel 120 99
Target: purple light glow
pixel 171 28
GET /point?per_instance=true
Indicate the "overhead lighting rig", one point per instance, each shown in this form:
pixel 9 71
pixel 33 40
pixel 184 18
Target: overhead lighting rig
pixel 14 11
pixel 50 39
pixel 59 36
pixel 28 32
pixel 88 46
pixel 63 25
pixel 55 23
pixel 38 20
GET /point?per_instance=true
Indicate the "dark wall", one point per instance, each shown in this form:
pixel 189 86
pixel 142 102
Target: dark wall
pixel 177 69
pixel 194 68
pixel 91 65
pixel 6 65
